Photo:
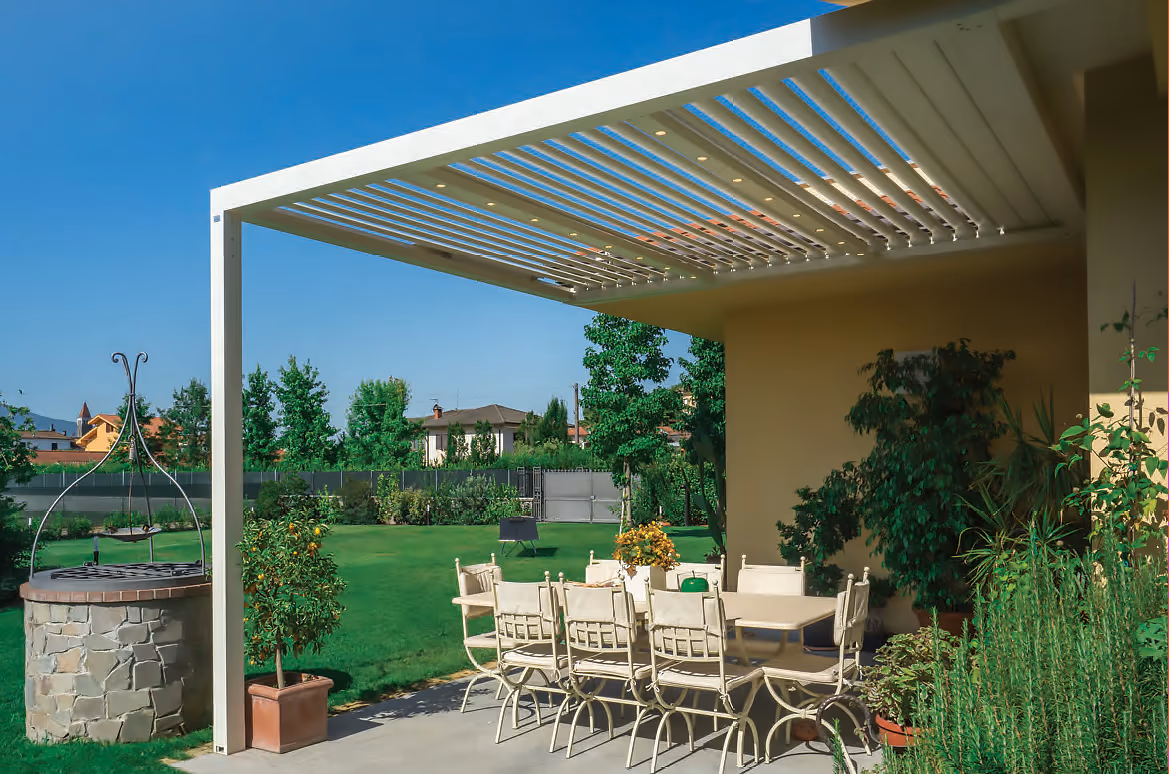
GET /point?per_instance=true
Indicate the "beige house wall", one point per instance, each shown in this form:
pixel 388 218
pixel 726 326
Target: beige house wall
pixel 1124 168
pixel 794 365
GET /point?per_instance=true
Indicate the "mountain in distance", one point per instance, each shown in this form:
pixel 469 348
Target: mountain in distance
pixel 44 423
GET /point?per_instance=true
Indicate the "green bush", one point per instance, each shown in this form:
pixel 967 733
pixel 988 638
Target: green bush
pixel 77 527
pixel 1063 679
pixel 277 498
pixel 120 520
pixel 357 505
pixel 480 500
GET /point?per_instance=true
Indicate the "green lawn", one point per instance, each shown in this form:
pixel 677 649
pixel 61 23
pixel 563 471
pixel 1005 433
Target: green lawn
pixel 399 626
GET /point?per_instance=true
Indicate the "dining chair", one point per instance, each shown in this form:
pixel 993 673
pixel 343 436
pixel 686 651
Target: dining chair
pixel 476 579
pixel 527 615
pixel 601 570
pixel 789 676
pixel 600 634
pixel 713 573
pixel 769 579
pixel 688 644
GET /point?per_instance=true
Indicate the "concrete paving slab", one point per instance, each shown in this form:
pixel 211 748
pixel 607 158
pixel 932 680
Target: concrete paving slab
pixel 424 732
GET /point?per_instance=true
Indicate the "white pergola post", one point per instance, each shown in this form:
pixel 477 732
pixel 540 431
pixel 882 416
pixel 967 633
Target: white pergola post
pixel 226 482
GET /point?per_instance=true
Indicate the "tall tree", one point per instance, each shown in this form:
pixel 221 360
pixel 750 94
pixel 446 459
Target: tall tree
pixel 526 432
pixel 144 414
pixel 704 417
pixel 379 435
pixel 307 437
pixel 260 445
pixel 553 425
pixel 187 424
pixel 16 467
pixel 483 451
pixel 626 367
pixel 456 444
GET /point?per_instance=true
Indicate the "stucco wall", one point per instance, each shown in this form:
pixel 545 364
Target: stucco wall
pixel 792 376
pixel 1124 167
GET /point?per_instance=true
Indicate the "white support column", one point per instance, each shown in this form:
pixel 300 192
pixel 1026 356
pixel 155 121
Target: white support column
pixel 226 483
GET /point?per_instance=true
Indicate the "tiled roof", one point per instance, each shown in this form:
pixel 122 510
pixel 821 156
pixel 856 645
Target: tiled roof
pixel 495 414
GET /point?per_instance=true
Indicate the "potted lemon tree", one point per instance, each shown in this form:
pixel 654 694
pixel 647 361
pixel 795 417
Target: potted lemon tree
pixel 292 605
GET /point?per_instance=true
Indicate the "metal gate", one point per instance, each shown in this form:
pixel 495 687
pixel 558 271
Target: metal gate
pixel 580 496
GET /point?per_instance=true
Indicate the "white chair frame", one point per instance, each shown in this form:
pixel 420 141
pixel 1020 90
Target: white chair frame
pixel 852 606
pixel 700 640
pixel 464 576
pixel 715 573
pixel 539 626
pixel 589 635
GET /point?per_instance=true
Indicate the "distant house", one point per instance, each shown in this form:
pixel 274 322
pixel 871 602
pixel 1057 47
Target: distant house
pixel 47 440
pixel 104 429
pixel 436 428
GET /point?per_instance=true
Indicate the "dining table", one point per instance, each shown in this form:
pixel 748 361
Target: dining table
pixel 772 612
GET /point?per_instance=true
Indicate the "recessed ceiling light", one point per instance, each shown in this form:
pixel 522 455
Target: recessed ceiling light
pixel 737 180
pixel 840 243
pixel 572 233
pixel 440 185
pixel 535 220
pixel 795 214
pixel 660 132
pixel 860 253
pixel 702 158
pixel 693 277
pixel 819 229
pixel 490 204
pixel 608 247
pixel 640 258
pixel 768 198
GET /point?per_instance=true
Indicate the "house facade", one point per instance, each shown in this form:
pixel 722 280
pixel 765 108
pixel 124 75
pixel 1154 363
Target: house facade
pixel 436 428
pixel 47 440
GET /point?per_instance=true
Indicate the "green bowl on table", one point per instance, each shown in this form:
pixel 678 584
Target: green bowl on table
pixel 694 584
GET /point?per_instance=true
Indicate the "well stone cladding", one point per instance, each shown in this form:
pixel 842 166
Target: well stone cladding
pixel 133 666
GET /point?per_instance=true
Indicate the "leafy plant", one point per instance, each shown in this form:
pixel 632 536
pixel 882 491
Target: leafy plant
pixel 1127 494
pixel 292 585
pixel 378 434
pixel 356 503
pixel 483 451
pixel 259 430
pixel 77 527
pixel 456 445
pixel 1152 638
pixel 825 519
pixel 121 520
pixel 277 498
pixel 906 671
pixel 307 436
pixel 645 544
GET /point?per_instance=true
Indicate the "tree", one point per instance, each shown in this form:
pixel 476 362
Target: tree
pixel 379 435
pixel 704 418
pixel 552 427
pixel 526 432
pixel 307 437
pixel 260 446
pixel 456 447
pixel 483 451
pixel 623 365
pixel 15 467
pixel 187 425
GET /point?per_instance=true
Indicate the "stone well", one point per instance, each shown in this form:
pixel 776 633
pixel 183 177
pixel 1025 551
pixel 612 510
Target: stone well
pixel 122 665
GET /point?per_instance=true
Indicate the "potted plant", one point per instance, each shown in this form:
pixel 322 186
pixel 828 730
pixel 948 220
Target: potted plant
pixel 292 605
pixel 902 676
pixel 645 553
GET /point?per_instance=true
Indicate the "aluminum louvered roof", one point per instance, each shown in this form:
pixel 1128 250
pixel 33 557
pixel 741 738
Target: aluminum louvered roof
pixel 836 140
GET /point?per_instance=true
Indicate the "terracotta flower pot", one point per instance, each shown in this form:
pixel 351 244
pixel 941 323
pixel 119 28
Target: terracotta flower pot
pixel 893 735
pixel 805 730
pixel 283 719
pixel 948 622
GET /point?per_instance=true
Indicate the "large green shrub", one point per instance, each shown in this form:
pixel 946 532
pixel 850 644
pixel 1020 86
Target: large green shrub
pixel 357 505
pixel 77 527
pixel 1064 679
pixel 480 500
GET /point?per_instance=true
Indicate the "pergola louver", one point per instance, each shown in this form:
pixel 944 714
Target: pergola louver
pixel 824 158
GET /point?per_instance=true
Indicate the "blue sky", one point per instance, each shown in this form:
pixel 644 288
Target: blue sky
pixel 122 115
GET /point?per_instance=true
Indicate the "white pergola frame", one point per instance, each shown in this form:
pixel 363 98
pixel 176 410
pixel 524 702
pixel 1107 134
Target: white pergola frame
pixel 935 80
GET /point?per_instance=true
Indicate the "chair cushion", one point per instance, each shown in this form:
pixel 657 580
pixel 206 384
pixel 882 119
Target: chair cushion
pixel 704 675
pixel 615 665
pixel 536 656
pixel 487 641
pixel 804 667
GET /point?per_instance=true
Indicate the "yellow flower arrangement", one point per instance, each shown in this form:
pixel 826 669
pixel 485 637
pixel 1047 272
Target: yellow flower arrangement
pixel 647 544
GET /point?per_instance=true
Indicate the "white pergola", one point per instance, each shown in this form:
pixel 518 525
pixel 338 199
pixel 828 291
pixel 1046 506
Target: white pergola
pixel 894 129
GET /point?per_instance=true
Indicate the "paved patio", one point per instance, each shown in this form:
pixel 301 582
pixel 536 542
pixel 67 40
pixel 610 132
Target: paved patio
pixel 425 732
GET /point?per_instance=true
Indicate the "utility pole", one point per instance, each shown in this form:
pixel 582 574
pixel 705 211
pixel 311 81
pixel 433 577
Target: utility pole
pixel 576 412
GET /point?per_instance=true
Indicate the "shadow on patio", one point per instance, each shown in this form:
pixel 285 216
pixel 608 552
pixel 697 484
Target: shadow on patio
pixel 425 732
